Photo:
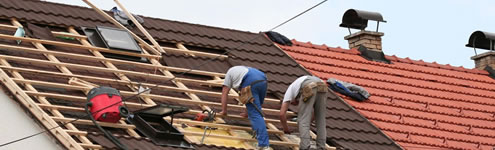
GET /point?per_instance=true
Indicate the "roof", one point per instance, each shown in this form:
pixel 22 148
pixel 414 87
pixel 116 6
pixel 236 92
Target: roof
pixel 420 105
pixel 34 75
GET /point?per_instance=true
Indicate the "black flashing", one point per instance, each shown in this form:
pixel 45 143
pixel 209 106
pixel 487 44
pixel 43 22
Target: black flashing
pixel 358 19
pixel 481 39
pixel 278 38
pixel 373 55
pixel 491 71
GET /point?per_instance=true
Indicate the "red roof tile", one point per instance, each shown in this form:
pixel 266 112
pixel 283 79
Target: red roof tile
pixel 418 104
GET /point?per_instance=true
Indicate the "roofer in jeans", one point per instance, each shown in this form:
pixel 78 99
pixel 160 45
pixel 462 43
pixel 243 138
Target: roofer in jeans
pixel 310 93
pixel 252 84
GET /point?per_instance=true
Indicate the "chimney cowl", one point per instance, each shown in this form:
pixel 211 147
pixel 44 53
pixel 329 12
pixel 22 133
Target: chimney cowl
pixel 358 19
pixel 483 40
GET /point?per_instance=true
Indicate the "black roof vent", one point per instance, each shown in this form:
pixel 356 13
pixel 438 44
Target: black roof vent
pixel 150 122
pixel 278 38
pixel 358 19
pixel 373 55
pixel 113 38
pixel 483 40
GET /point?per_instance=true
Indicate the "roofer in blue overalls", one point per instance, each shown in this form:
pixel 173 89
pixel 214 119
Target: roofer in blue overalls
pixel 310 93
pixel 252 85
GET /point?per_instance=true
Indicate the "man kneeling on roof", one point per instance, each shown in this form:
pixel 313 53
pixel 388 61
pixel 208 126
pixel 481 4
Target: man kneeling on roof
pixel 310 93
pixel 252 84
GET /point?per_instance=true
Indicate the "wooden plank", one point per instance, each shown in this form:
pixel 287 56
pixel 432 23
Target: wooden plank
pixel 55 33
pixel 184 49
pixel 89 122
pixel 71 45
pixel 109 18
pixel 101 69
pixel 140 27
pixel 91 146
pixel 116 61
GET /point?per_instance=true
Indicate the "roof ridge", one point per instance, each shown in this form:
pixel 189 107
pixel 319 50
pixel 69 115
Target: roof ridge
pixel 324 47
pixel 398 59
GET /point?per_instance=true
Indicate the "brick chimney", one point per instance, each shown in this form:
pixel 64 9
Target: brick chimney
pixel 484 59
pixel 369 39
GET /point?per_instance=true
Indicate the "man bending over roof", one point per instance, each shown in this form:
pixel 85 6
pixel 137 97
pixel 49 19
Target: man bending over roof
pixel 252 84
pixel 310 93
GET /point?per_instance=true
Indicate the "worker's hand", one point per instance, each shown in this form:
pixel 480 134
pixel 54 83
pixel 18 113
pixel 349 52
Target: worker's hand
pixel 286 131
pixel 294 102
pixel 223 113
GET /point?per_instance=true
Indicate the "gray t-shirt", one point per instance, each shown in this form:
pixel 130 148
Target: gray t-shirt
pixel 234 76
pixel 294 87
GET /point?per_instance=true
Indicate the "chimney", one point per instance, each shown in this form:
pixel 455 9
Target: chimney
pixel 483 60
pixel 486 41
pixel 368 43
pixel 369 39
pixel 358 19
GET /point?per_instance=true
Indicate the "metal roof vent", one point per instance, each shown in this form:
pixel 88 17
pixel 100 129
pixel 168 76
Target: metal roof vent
pixel 358 19
pixel 150 122
pixel 483 40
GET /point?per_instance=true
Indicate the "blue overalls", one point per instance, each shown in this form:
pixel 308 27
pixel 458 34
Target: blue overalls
pixel 259 91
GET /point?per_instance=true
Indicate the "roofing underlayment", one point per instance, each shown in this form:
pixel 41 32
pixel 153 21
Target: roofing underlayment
pixel 50 79
pixel 420 105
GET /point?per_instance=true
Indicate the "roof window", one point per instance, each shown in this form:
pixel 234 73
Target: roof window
pixel 115 39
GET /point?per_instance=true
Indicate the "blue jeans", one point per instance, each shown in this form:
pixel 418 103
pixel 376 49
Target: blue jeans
pixel 259 92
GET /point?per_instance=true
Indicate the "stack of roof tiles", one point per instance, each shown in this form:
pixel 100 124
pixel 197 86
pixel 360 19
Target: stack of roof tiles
pixel 420 105
pixel 346 128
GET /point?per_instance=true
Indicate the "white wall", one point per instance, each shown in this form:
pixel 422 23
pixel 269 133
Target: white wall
pixel 15 124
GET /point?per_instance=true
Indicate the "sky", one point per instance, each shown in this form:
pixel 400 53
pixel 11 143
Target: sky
pixel 431 30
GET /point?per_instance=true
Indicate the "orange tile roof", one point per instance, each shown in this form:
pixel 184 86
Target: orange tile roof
pixel 420 105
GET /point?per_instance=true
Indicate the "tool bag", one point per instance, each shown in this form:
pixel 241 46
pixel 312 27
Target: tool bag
pixel 246 95
pixel 307 91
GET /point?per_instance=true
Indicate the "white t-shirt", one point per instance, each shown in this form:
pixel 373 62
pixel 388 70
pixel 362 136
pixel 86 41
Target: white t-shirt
pixel 293 89
pixel 234 76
